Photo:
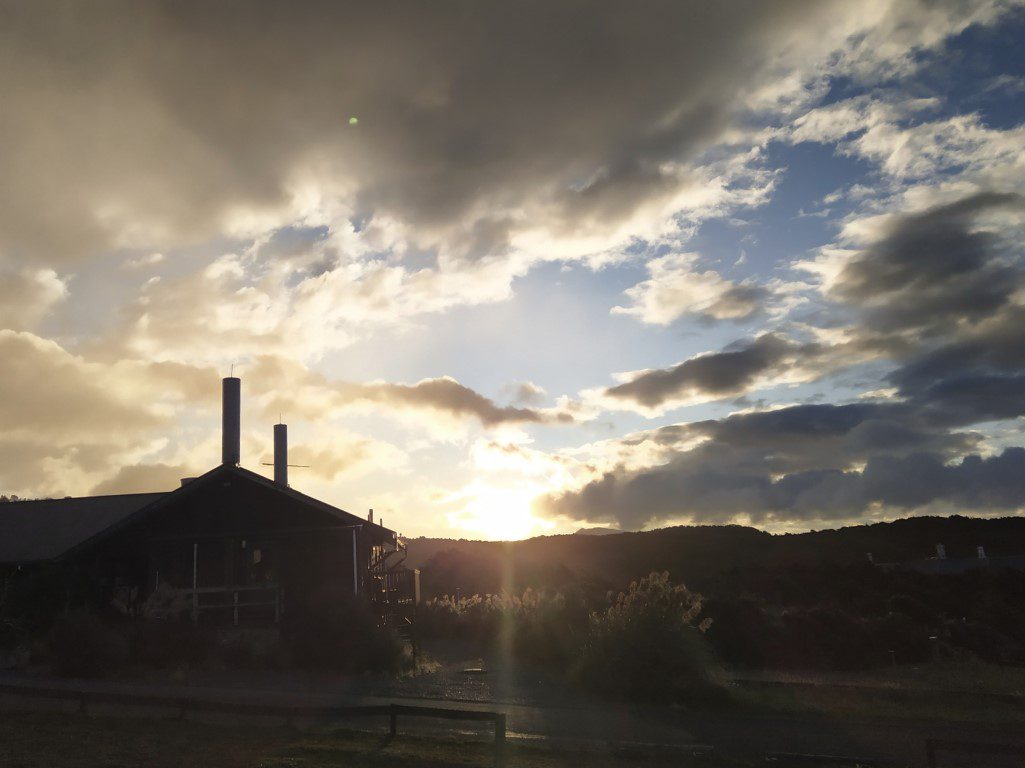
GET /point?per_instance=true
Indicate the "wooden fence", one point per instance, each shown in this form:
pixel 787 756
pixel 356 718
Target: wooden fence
pixel 290 712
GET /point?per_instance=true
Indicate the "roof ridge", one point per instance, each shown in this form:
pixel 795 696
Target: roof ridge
pixel 83 498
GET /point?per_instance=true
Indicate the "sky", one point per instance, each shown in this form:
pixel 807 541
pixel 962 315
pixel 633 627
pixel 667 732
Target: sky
pixel 513 269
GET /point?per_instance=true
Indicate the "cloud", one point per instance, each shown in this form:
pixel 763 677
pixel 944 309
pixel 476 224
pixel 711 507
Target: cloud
pixel 676 288
pixel 300 305
pixel 144 478
pixel 938 292
pixel 47 393
pixel 66 420
pixel 526 393
pixel 336 453
pixel 934 270
pixel 312 395
pixel 449 125
pixel 794 465
pixel 443 394
pixel 769 358
pixel 469 118
pixel 27 295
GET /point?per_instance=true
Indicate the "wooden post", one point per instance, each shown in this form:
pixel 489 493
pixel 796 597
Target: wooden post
pixel 500 739
pixel 355 566
pixel 195 580
pixel 235 601
pixel 930 753
pixel 393 719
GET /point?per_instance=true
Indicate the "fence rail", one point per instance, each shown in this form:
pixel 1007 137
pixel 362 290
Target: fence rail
pixel 185 704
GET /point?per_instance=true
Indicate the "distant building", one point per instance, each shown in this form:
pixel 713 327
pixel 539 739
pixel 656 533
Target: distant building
pixel 941 564
pixel 231 545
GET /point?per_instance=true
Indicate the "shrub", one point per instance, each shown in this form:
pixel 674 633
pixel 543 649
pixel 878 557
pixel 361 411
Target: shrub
pixel 475 619
pixel 646 645
pixel 541 626
pixel 79 644
pixel 337 631
pixel 170 644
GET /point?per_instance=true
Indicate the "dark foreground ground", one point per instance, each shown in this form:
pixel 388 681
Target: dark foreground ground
pixel 882 718
pixel 38 740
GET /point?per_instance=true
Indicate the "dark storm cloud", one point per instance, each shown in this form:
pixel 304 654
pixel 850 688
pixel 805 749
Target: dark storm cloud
pixel 289 386
pixel 152 121
pixel 937 293
pixel 956 285
pixel 929 273
pixel 740 302
pixel 448 395
pixel 980 377
pixel 933 270
pixel 719 374
pixel 795 464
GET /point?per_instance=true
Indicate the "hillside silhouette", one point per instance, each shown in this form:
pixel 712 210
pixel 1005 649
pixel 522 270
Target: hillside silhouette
pixel 800 601
pixel 695 555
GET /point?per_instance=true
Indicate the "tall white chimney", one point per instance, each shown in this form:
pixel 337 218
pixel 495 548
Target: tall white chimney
pixel 231 420
pixel 281 454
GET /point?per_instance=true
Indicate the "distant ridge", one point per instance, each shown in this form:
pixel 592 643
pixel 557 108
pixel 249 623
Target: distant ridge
pixel 696 554
pixel 595 531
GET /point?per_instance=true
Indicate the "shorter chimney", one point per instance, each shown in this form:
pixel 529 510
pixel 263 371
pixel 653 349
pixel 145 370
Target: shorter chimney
pixel 941 552
pixel 281 454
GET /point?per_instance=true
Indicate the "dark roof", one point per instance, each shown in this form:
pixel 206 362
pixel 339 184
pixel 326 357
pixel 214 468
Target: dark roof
pixel 43 530
pixel 346 517
pixel 31 531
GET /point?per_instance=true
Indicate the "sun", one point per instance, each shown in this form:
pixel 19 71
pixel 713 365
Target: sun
pixel 499 514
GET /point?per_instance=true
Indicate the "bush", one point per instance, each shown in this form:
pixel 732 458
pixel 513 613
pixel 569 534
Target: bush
pixel 540 626
pixel 475 619
pixel 80 645
pixel 646 645
pixel 170 644
pixel 339 632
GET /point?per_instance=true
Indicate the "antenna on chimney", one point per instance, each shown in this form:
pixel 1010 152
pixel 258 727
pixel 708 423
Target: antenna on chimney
pixel 280 462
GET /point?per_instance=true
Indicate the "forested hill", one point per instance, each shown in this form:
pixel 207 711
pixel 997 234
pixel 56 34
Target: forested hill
pixel 694 554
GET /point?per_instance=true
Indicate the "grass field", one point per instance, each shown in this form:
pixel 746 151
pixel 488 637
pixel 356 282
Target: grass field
pixel 75 741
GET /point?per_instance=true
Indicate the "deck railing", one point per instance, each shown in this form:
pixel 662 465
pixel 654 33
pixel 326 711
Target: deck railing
pixel 250 598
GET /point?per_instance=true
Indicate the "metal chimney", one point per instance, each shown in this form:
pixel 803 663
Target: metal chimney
pixel 231 420
pixel 281 454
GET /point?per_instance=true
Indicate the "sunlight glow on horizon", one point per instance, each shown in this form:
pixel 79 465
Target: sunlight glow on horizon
pixel 500 513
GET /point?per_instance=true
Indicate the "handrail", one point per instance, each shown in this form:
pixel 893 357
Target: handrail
pixel 213 590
